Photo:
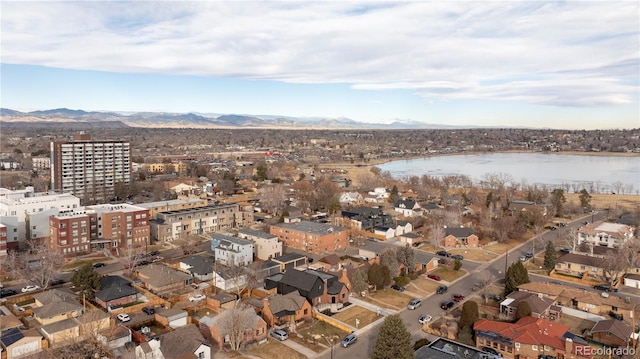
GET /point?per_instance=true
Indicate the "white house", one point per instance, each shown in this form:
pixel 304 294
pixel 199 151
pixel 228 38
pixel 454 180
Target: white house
pixel 233 250
pixel 266 245
pixel 407 207
pixel 378 195
pixel 229 279
pixel 351 198
pixel 403 227
pixel 605 234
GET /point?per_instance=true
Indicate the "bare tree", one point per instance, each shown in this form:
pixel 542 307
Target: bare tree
pixel 406 256
pixel 359 280
pixel 614 266
pixel 436 234
pixel 272 198
pixel 237 324
pixel 255 275
pixel 131 257
pixel 389 259
pixel 36 265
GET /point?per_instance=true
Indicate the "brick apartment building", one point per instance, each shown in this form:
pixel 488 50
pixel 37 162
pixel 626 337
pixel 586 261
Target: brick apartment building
pixel 311 236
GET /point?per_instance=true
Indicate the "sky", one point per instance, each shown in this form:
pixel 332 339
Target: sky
pixel 538 64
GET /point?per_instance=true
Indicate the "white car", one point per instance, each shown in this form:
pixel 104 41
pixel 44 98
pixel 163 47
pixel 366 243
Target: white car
pixel 424 318
pixel 197 297
pixel 30 288
pixel 123 317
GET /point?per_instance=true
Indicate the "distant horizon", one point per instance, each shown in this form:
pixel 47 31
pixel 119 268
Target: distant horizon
pixel 498 64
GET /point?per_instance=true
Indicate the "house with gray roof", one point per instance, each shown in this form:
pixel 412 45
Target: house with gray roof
pixel 161 279
pixel 367 218
pixel 460 237
pixel 198 266
pixel 185 342
pixel 233 250
pixel 321 289
pixel 55 305
pixel 61 332
pixel 612 332
pixel 541 307
pixel 407 207
pixel 22 342
pixel 115 291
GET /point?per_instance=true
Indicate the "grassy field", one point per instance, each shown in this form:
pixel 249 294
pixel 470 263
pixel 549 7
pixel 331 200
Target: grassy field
pixel 388 298
pixel 425 285
pixel 349 315
pixel 274 350
pixel 319 328
pixel 448 274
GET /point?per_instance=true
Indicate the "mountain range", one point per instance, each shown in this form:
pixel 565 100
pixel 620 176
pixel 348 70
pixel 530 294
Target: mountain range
pixel 75 118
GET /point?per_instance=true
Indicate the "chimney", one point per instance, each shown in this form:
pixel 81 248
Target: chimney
pixel 568 346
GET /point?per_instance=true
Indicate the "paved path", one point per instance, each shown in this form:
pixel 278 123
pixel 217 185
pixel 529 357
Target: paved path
pixel 300 348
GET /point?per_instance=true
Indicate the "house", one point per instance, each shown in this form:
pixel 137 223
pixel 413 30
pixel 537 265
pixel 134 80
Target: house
pixel 257 330
pixel 367 218
pixel 632 280
pixel 115 291
pixel 527 207
pixel 281 309
pixel 424 260
pixel 612 332
pixel 350 198
pixel 410 238
pixel 310 236
pixel 378 195
pixel 577 265
pixel 383 232
pixel 229 278
pixel 222 300
pixel 61 332
pixel 183 189
pixel 185 342
pixel 403 227
pixel 407 207
pixel 442 348
pixel 321 289
pixel 612 235
pixel 541 307
pixel 115 337
pixel 330 263
pixel 266 245
pixel 460 237
pixel 149 350
pixel 432 208
pixel 55 305
pixel 174 317
pixel 8 320
pixel 291 260
pixel 19 344
pixel 530 337
pixel 199 267
pixel 233 251
pixel 161 279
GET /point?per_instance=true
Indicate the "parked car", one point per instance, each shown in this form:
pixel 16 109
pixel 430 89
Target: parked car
pixel 280 334
pixel 348 340
pixel 123 317
pixel 604 287
pixel 424 318
pixel 458 297
pixel 528 255
pixel 490 350
pixel 149 310
pixel 414 304
pixel 457 256
pixel 523 259
pixel 565 250
pixel 397 287
pixel 153 253
pixel 98 265
pixel 7 293
pixel 615 315
pixel 434 277
pixel 197 297
pixel 446 304
pixel 441 289
pixel 443 253
pixel 553 228
pixel 30 288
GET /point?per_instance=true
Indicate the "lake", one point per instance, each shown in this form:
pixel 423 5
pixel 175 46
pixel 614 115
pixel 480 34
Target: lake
pixel 597 174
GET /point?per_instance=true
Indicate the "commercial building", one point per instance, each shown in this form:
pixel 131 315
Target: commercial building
pixel 90 169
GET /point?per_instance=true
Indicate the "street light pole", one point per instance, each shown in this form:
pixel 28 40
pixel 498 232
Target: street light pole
pixel 330 342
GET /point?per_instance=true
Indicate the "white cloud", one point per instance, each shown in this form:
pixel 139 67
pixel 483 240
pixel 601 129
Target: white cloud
pixel 558 53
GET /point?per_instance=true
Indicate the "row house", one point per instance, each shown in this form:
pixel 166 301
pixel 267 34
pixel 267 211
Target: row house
pixel 311 237
pixel 124 225
pixel 367 218
pixel 172 225
pixel 173 205
pixel 530 337
pixel 612 235
pixel 266 245
pixel 232 251
pixel 15 205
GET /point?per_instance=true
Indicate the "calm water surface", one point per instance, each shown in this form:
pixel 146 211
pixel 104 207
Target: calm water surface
pixel 578 171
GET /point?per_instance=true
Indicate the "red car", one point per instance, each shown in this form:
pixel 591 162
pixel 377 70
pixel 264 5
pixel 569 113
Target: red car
pixel 434 277
pixel 458 297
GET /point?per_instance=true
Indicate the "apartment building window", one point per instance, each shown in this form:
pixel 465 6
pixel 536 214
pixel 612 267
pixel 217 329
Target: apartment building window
pixel 63 225
pixel 62 234
pixel 534 347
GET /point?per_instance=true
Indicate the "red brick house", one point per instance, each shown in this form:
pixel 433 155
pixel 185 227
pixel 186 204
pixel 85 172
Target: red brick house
pixel 530 337
pixel 612 332
pixel 280 309
pixel 257 332
pixel 460 237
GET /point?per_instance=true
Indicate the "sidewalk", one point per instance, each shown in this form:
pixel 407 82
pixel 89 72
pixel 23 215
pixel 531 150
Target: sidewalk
pixel 300 348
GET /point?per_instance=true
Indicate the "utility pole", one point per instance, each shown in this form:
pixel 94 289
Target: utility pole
pixel 506 261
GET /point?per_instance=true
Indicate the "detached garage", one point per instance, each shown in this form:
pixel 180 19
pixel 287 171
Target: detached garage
pixel 174 318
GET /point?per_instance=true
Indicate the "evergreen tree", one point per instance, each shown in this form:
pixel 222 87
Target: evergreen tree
pixel 585 199
pixel 406 256
pixel 557 200
pixel 516 274
pixel 359 280
pixel 470 314
pixel 549 256
pixel 261 173
pixel 86 280
pixel 457 264
pixel 394 340
pixel 379 276
pixel 524 310
pixel 389 259
pixel 393 195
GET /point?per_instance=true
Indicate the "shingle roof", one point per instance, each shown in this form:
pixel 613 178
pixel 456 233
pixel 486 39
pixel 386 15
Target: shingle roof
pixel 458 232
pixel 181 341
pixel 581 259
pixel 158 275
pixel 290 302
pixel 538 305
pixel 527 330
pixel 115 291
pixel 620 329
pixel 54 309
pixel 299 279
pixel 60 326
pixel 199 265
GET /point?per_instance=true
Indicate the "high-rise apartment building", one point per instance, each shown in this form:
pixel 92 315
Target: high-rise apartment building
pixel 89 169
